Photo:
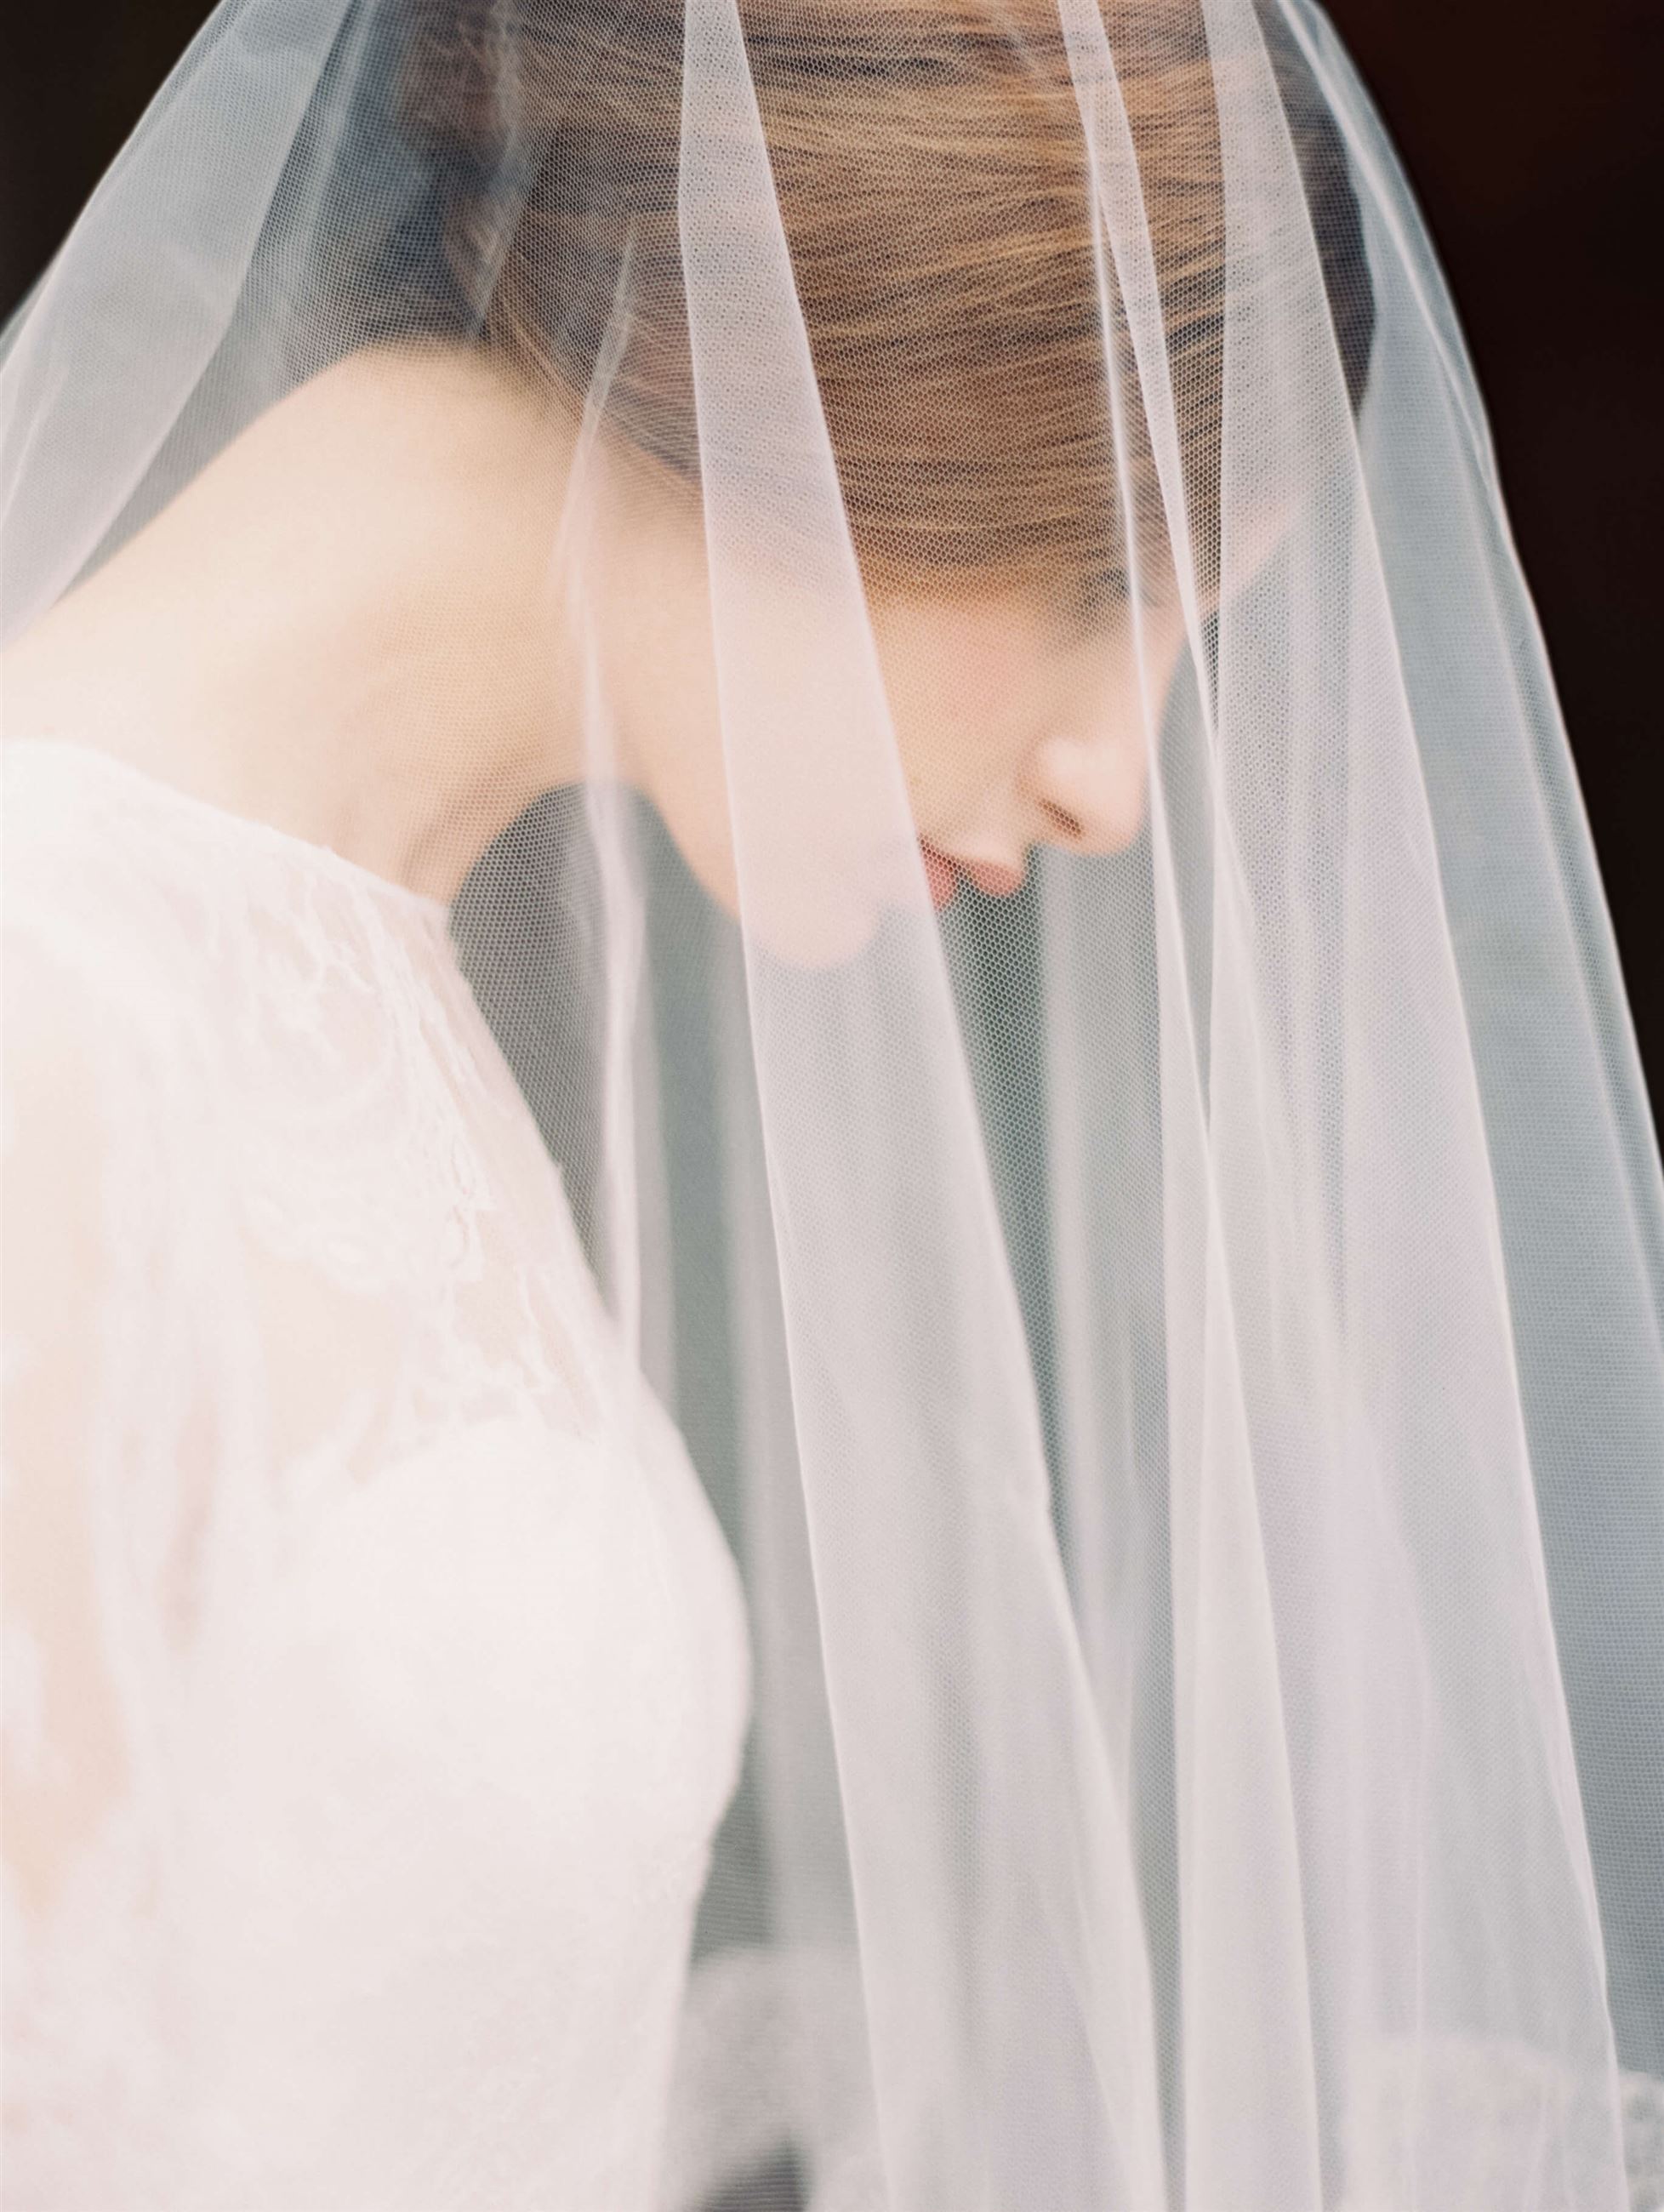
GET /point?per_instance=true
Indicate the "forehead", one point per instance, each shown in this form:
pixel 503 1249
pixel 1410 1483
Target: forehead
pixel 979 646
pixel 967 642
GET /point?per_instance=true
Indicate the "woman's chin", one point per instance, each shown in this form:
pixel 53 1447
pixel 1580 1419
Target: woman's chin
pixel 816 920
pixel 814 933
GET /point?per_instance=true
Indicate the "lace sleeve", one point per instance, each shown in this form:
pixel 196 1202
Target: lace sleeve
pixel 107 1452
pixel 64 1764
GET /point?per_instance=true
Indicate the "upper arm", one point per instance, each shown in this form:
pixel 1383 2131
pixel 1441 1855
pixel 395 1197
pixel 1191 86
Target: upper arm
pixel 62 1763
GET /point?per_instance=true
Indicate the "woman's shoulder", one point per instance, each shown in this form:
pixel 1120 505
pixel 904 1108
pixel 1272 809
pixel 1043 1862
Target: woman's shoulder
pixel 87 859
pixel 108 955
pixel 167 907
pixel 94 980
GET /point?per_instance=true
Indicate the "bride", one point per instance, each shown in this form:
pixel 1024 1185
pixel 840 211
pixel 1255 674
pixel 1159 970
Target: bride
pixel 818 1127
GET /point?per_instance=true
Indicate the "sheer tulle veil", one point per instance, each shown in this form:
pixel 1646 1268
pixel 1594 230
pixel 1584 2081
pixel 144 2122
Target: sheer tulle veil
pixel 1178 1350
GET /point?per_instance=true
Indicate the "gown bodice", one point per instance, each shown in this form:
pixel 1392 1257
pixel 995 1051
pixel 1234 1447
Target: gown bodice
pixel 376 1668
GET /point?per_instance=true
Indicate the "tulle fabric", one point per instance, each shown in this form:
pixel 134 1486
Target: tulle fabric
pixel 1179 1352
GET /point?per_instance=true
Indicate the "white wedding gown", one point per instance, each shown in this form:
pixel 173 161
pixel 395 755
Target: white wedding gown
pixel 376 1668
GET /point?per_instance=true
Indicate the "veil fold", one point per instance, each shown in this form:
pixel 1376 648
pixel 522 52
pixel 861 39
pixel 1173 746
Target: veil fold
pixel 1178 1350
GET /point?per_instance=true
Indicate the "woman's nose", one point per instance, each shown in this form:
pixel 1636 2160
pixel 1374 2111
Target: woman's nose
pixel 1089 790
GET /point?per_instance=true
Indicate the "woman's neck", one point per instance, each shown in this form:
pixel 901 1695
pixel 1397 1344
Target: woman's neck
pixel 349 625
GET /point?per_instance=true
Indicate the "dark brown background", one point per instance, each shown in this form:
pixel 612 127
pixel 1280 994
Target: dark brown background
pixel 1530 130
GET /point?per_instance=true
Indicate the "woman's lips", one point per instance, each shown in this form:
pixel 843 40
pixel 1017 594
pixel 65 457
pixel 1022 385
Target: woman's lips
pixel 942 874
pixel 991 879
